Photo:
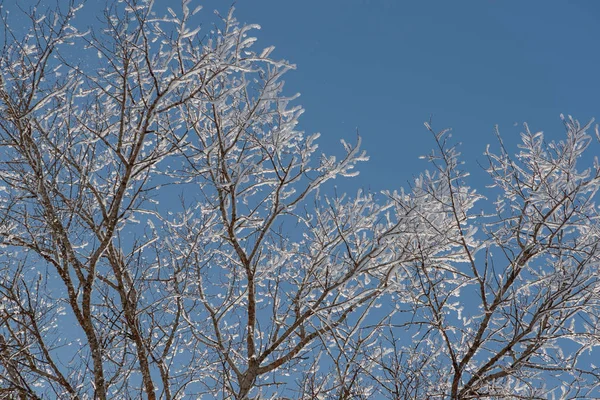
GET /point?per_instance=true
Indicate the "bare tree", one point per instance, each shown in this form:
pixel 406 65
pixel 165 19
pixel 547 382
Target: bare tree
pixel 167 232
pixel 516 317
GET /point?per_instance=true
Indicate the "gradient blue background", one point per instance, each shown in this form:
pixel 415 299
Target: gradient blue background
pixel 386 66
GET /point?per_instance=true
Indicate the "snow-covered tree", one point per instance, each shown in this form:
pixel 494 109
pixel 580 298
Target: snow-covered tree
pixel 166 231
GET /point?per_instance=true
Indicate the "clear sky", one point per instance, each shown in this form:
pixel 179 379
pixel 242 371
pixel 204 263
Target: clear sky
pixel 386 66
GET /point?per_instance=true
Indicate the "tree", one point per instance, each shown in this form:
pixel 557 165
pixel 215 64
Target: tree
pixel 167 232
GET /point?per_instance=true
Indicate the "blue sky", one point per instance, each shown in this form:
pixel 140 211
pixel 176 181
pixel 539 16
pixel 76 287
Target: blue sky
pixel 386 66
